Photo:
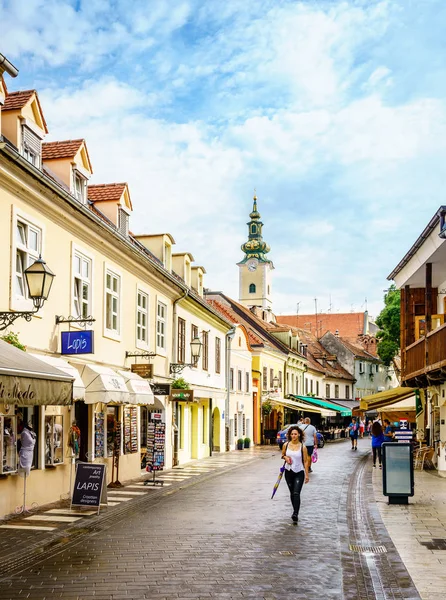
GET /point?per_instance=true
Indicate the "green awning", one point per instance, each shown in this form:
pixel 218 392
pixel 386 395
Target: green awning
pixel 344 412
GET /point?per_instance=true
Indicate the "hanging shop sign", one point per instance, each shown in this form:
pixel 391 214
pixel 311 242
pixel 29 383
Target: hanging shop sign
pixel 88 485
pixel 182 395
pixel 77 342
pixel 161 389
pixel 143 370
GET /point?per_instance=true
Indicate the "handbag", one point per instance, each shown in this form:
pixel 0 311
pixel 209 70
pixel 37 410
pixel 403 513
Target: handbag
pixel 314 456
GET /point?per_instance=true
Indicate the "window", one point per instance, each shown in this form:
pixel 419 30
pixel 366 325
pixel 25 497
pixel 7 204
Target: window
pixel 239 380
pixel 252 288
pixel 247 381
pixel 181 340
pixel 327 390
pixel 28 248
pixel 235 424
pixel 347 392
pixel 311 386
pixel 265 378
pixel 287 383
pixel 31 146
pixel 280 379
pixel 253 228
pixel 81 286
pixel 317 388
pixel 142 317
pixel 79 185
pixel 161 315
pixel 123 222
pixel 243 425
pixel 231 379
pixel 306 386
pixel 217 355
pixel 205 350
pixel 271 377
pixel 361 368
pixel 336 391
pixel 112 293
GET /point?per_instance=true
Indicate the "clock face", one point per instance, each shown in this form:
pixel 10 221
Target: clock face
pixel 252 265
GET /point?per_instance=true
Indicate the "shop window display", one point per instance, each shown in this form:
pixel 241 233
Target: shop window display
pixel 113 425
pixel 8 444
pixel 53 440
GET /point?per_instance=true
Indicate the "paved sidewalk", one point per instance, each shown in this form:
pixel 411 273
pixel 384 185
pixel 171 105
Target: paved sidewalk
pixel 418 531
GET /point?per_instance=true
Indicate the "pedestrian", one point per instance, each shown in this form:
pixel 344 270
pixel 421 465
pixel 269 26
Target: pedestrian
pixel 361 428
pixel 310 440
pixel 388 431
pixel 377 441
pixel 294 453
pixel 353 430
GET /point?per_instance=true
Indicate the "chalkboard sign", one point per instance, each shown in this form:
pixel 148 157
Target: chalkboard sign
pixel 88 485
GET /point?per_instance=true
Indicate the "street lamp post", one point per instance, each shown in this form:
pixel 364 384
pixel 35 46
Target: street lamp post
pixel 195 349
pixel 39 279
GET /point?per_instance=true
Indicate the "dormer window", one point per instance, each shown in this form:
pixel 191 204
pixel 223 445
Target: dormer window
pixel 167 257
pixel 123 222
pixel 31 146
pixel 79 186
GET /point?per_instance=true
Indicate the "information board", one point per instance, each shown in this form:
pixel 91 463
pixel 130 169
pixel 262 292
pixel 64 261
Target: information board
pixel 88 485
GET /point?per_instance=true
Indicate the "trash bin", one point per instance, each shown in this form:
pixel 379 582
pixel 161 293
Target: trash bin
pixel 398 472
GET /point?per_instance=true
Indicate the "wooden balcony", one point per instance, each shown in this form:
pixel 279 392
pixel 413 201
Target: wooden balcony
pixel 425 356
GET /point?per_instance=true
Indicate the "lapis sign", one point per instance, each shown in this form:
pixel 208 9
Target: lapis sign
pixel 77 342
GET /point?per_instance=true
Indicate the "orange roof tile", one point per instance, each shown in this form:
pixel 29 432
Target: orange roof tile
pixel 349 325
pixel 17 100
pixel 106 192
pixel 55 150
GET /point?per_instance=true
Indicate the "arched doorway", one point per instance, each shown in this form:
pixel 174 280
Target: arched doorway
pixel 216 420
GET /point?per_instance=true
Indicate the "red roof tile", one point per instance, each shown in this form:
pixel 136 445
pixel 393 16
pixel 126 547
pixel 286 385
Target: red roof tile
pixel 17 100
pixel 106 192
pixel 349 325
pixel 232 317
pixel 56 150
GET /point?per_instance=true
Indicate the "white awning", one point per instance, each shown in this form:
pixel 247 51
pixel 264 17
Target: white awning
pixel 102 384
pixel 138 387
pixel 28 381
pixel 63 365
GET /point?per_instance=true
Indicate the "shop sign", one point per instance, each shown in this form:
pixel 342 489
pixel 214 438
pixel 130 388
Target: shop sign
pixel 77 342
pixel 156 416
pixel 11 391
pixel 143 370
pixel 182 395
pixel 88 485
pixel 160 389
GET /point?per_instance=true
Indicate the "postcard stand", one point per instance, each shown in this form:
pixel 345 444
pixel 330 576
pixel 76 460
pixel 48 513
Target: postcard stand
pixel 156 439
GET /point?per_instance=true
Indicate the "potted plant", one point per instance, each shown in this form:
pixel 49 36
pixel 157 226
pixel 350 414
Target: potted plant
pixel 267 407
pixel 240 444
pixel 247 442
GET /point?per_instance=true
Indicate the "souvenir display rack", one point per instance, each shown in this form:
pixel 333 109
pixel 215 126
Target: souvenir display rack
pixel 54 454
pixel 130 430
pixel 8 444
pixel 156 441
pixel 99 435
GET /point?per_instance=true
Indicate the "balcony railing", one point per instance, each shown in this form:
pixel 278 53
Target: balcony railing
pixel 426 354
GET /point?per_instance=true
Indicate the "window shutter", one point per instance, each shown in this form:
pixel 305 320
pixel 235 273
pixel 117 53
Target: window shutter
pixel 123 223
pixel 31 141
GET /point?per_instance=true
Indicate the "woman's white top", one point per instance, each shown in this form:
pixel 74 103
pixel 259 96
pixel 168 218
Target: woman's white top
pixel 297 464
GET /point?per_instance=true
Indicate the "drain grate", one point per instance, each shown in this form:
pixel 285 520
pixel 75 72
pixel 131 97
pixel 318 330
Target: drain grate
pixel 368 549
pixel 287 553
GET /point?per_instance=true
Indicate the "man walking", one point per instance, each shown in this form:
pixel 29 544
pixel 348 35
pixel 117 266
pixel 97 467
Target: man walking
pixel 353 429
pixel 310 438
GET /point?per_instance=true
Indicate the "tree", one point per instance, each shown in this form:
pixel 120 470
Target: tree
pixel 388 322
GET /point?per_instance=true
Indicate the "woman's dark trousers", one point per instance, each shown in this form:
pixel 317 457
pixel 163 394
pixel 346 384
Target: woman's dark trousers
pixel 295 482
pixel 376 451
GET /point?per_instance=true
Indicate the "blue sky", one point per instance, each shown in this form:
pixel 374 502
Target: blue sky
pixel 335 111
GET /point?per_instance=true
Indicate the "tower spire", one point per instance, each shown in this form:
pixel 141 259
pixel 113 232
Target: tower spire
pixel 255 247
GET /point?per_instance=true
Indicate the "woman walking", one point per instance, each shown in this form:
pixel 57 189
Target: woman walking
pixel 377 440
pixel 295 455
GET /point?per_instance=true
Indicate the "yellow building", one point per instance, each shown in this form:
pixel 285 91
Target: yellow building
pixel 115 312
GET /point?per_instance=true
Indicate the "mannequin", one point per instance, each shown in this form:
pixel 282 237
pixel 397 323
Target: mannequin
pixel 28 441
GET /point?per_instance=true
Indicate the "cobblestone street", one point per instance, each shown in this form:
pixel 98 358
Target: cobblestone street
pixel 222 537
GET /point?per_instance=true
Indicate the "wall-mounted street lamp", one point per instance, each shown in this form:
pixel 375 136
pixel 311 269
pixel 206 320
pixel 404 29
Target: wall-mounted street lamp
pixel 195 349
pixel 39 279
pixel 276 382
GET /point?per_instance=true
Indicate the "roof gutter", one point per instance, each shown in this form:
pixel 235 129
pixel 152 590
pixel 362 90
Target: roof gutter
pixel 7 66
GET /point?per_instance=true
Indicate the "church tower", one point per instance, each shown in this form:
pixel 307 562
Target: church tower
pixel 255 268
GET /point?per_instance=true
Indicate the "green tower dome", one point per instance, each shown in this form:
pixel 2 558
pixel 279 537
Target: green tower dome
pixel 255 247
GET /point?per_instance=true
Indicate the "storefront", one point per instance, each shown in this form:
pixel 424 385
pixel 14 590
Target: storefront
pixel 35 402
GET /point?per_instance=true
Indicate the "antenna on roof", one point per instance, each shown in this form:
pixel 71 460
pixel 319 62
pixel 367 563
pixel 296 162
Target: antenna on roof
pixel 315 308
pixel 297 308
pixel 330 306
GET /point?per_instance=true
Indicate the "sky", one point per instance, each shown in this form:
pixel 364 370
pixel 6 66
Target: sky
pixel 334 111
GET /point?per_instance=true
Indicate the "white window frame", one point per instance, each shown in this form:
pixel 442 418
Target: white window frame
pixel 79 194
pixel 161 326
pixel 140 343
pixel 109 270
pixel 19 301
pixel 79 278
